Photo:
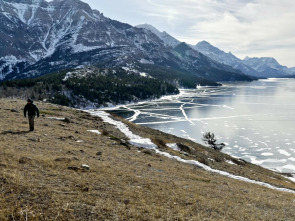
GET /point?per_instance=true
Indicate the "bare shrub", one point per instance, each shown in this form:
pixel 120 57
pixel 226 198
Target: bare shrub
pixel 209 138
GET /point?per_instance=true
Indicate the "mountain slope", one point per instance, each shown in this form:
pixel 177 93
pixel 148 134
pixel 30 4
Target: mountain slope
pixel 39 37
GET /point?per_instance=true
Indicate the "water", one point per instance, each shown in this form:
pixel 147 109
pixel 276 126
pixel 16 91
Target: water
pixel 255 119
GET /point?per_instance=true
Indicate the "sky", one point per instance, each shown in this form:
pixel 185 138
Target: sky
pixel 254 28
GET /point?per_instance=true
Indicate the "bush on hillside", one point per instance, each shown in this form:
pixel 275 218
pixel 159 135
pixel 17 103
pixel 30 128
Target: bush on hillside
pixel 209 138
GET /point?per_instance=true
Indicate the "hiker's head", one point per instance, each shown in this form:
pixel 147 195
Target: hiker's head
pixel 30 101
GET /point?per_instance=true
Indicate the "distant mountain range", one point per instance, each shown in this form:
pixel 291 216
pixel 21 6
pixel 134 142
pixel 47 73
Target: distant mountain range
pixel 259 67
pixel 39 37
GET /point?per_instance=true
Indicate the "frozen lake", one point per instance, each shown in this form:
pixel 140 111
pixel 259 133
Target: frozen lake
pixel 254 119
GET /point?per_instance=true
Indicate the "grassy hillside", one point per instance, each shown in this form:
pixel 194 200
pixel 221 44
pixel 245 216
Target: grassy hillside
pixel 42 178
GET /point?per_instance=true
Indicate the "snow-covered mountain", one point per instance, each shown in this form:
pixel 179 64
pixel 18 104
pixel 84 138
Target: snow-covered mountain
pixel 226 58
pixel 167 39
pixel 268 67
pixel 39 37
pixel 259 67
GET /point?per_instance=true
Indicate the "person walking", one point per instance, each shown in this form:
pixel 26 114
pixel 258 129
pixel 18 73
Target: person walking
pixel 32 110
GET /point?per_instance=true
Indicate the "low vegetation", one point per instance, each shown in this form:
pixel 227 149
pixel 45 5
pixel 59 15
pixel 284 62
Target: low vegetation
pixel 209 138
pixel 44 174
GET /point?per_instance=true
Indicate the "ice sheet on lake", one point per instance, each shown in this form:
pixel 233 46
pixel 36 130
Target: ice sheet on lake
pixel 284 153
pixel 267 154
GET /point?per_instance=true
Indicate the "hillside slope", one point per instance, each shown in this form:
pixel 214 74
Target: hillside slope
pixel 41 174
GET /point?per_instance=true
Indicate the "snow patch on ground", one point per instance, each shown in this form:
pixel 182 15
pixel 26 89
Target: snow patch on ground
pixel 94 131
pixel 56 118
pixel 230 162
pixel 173 146
pixel 134 139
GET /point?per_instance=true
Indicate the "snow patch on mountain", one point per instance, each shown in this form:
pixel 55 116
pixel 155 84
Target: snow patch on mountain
pixel 144 61
pixel 20 9
pixel 7 62
pixel 164 36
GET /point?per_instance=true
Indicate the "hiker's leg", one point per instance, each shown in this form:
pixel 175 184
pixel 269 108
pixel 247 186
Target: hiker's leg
pixel 31 122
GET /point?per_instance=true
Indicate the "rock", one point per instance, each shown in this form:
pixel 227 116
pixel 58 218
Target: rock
pixel 126 202
pixel 149 165
pixel 148 152
pixel 63 159
pixel 24 160
pixel 3 180
pixel 46 125
pixel 99 153
pixel 85 189
pixel 3 165
pixel 67 120
pixel 14 110
pixel 74 168
pixel 184 148
pixel 124 143
pixel 33 139
pixel 85 167
pixel 70 152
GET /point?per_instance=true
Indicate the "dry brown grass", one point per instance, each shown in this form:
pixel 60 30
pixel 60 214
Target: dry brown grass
pixel 122 184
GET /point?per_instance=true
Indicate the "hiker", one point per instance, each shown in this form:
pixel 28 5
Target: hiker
pixel 32 110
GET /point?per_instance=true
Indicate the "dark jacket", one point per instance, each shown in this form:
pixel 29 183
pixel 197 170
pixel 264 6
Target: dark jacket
pixel 32 110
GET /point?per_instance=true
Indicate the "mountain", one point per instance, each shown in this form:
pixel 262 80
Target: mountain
pixel 211 69
pixel 39 37
pixel 193 57
pixel 268 67
pixel 226 58
pixel 164 36
pixel 259 67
